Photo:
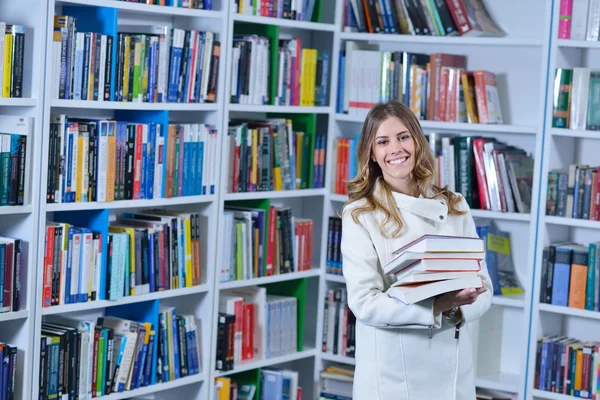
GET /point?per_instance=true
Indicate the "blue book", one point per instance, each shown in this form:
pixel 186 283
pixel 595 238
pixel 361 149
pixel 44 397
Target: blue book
pixel 562 275
pixel 272 384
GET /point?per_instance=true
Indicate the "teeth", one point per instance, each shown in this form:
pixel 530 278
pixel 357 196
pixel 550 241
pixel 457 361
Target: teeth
pixel 398 161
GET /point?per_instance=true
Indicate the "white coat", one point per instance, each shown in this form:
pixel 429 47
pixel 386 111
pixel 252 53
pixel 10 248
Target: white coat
pixel 395 357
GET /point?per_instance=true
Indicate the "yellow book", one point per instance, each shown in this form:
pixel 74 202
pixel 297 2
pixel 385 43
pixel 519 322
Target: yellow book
pixel 8 46
pixel 131 232
pixel 90 94
pixel 299 155
pixel 126 68
pixel 189 273
pixel 304 81
pixel 223 385
pixel 276 162
pixel 111 160
pixel 313 76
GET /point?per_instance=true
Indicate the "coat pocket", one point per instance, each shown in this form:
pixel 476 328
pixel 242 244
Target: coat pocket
pixel 390 364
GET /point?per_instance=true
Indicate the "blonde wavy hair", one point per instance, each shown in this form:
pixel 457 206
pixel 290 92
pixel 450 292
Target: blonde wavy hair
pixel 369 171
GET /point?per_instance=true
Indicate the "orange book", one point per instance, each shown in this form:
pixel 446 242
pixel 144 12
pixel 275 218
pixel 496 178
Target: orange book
pixel 112 161
pixel 578 279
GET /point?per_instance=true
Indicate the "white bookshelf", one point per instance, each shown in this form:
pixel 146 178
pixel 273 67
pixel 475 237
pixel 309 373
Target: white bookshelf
pixel 196 300
pixel 18 328
pixel 562 147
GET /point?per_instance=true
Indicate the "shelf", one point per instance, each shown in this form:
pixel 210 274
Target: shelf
pixel 284 23
pixel 279 194
pixel 13 210
pixel 146 9
pixel 152 389
pixel 574 312
pixel 335 278
pixel 118 105
pixel 542 394
pixel 12 316
pixel 269 279
pixel 95 305
pixel 574 222
pixel 338 359
pixel 265 108
pixel 582 44
pixel 517 301
pixel 18 102
pixel 340 198
pixel 250 365
pixel 574 133
pixel 455 126
pixel 119 204
pixel 503 381
pixel 500 215
pixel 441 40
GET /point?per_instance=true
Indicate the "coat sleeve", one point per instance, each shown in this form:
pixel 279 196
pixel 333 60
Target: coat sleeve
pixel 474 311
pixel 365 284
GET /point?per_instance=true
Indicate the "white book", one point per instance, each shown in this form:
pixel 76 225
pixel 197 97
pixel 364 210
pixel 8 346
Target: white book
pixel 430 243
pixel 75 265
pixel 87 254
pixel 102 161
pixel 579 98
pixel 411 294
pixel 2 43
pixel 408 259
pixel 102 74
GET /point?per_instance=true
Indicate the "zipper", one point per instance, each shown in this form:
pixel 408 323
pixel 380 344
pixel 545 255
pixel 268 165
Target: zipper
pixel 456 331
pixel 430 331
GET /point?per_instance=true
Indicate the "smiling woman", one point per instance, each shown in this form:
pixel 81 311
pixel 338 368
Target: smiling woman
pixel 401 348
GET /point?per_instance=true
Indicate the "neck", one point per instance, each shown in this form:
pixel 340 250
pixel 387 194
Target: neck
pixel 400 186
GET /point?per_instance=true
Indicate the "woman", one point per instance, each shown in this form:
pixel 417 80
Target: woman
pixel 420 351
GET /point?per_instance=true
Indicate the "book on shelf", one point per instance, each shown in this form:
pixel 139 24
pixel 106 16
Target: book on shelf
pixel 279 383
pixel 334 240
pixel 12 54
pixel 570 275
pixel 11 274
pixel 194 4
pixel 114 355
pixel 574 192
pixel 490 174
pixel 151 64
pixel 420 17
pixel 339 324
pixel 108 160
pixel 335 382
pixel 254 325
pixel 579 20
pixel 8 370
pixel 261 242
pixel 147 251
pixel 13 161
pixel 275 154
pixel 568 366
pixel 436 87
pixel 227 388
pixel 575 102
pixel 301 10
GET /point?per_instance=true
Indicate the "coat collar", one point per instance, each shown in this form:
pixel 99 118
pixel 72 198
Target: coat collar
pixel 433 209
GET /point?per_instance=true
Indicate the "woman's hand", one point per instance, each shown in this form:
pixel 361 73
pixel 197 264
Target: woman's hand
pixel 457 298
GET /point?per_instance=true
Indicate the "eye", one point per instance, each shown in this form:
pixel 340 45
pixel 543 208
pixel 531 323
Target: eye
pixel 404 137
pixel 382 142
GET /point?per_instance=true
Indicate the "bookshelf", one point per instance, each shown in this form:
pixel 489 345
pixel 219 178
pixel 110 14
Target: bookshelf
pixel 562 147
pixel 23 115
pixel 196 300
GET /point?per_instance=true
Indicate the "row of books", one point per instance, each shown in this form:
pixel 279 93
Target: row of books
pixel 8 370
pixel 259 242
pixel 420 17
pixel 335 382
pixel 302 73
pixel 226 388
pixel 107 160
pixel 571 275
pixel 339 325
pixel 13 159
pixel 153 64
pixel 12 53
pixel 436 87
pixel 490 174
pixel 333 264
pixel 576 100
pixel 574 192
pixel 568 366
pixel 254 325
pixel 299 10
pixel 11 274
pixel 271 155
pixel 145 252
pixel 197 4
pixel 579 20
pixel 86 359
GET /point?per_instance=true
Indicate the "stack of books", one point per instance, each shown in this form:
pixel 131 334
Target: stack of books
pixel 435 264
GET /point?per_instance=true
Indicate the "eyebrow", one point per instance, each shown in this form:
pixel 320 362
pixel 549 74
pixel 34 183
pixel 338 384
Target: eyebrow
pixel 399 133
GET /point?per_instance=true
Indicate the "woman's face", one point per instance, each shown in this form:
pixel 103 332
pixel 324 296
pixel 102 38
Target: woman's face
pixel 394 151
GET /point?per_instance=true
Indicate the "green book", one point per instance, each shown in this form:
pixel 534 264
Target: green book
pixel 562 97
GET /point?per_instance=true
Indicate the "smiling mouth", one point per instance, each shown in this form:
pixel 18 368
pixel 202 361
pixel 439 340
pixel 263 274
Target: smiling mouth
pixel 398 161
